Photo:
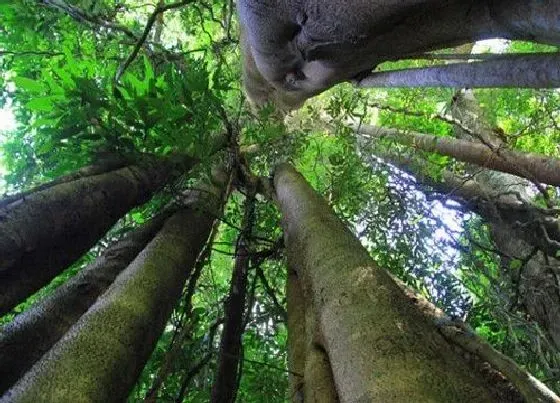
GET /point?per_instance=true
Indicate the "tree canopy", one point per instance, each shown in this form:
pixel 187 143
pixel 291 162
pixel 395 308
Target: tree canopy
pixel 87 80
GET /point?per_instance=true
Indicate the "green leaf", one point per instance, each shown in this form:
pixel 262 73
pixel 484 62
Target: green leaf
pixel 28 84
pixel 41 104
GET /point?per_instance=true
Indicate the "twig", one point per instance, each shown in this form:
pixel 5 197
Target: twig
pixel 151 21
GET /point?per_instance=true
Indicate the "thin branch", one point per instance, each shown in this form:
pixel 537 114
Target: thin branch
pixel 30 53
pixel 151 21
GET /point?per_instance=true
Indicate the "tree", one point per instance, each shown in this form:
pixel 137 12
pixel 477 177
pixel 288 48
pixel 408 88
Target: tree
pixel 261 299
pixel 34 251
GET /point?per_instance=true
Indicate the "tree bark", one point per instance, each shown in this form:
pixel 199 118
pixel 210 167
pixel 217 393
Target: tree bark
pixel 31 334
pixel 311 378
pixel 538 283
pixel 296 337
pixel 380 344
pixel 535 71
pixel 101 356
pixel 226 384
pixel 535 167
pixel 307 47
pixel 43 233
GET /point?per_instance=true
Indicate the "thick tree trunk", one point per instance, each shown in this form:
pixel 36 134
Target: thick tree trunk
pixel 380 344
pixel 34 332
pixel 101 356
pixel 226 384
pixel 43 233
pixel 536 71
pixel 532 166
pixel 308 46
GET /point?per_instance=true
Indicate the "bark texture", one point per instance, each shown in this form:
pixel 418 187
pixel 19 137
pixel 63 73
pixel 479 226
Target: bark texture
pixel 533 166
pixel 31 334
pixel 536 71
pixel 43 233
pixel 380 344
pixel 306 47
pixel 311 378
pixel 226 384
pixel 296 337
pixel 101 356
pixel 538 283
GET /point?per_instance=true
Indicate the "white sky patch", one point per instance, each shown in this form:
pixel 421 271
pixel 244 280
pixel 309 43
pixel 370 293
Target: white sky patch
pixel 491 45
pixel 7 123
pixel 7 119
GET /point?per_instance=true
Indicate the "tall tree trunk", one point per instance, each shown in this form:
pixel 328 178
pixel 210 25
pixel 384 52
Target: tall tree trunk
pixel 226 383
pixel 381 345
pixel 535 71
pixel 35 331
pixel 532 166
pixel 101 356
pixel 44 232
pixel 539 284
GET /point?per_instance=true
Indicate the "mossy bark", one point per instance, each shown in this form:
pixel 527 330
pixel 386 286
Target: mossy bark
pixel 32 333
pixel 380 345
pixel 101 356
pixel 44 232
pixel 295 305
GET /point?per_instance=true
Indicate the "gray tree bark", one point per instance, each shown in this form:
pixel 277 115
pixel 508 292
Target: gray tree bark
pixel 380 343
pixel 32 333
pixel 535 71
pixel 535 167
pixel 538 282
pixel 101 356
pixel 44 232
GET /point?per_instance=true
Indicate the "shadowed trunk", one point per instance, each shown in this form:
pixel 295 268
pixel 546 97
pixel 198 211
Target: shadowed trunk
pixel 101 356
pixel 532 166
pixel 44 232
pixel 537 282
pixel 34 332
pixel 226 384
pixel 381 345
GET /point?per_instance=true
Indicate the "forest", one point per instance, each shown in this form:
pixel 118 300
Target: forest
pixel 276 201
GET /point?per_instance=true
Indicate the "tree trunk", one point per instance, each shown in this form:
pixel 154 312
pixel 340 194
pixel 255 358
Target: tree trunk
pixel 535 71
pixel 226 383
pixel 44 232
pixel 35 331
pixel 311 379
pixel 381 345
pixel 101 356
pixel 532 166
pixel 296 337
pixel 538 283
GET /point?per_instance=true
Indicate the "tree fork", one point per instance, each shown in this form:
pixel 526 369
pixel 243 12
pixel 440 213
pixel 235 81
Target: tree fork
pixel 32 333
pixel 364 313
pixel 44 232
pixel 101 356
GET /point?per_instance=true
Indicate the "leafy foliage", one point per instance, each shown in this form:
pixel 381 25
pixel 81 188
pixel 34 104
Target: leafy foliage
pixel 181 94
